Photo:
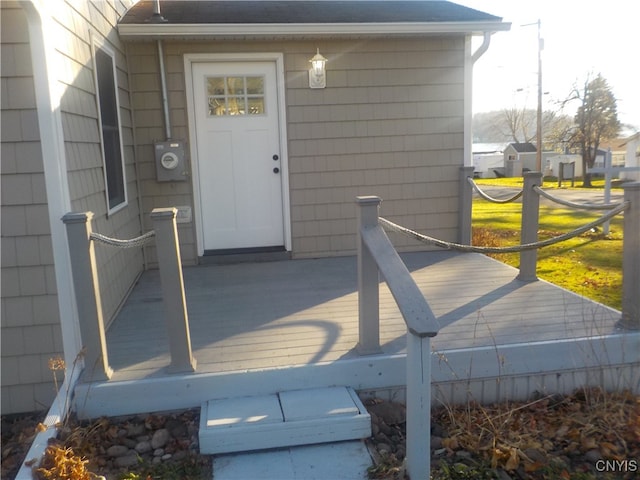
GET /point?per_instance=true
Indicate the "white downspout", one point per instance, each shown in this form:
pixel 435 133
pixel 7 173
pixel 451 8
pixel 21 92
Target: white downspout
pixel 158 18
pixel 482 48
pixel 470 60
pixel 163 87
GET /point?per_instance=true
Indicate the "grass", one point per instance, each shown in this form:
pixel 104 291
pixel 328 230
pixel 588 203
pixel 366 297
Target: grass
pixel 589 265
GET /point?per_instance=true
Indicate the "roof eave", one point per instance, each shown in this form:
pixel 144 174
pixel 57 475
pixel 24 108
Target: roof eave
pixel 226 30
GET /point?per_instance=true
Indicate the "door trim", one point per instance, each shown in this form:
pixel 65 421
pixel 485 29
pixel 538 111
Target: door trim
pixel 278 58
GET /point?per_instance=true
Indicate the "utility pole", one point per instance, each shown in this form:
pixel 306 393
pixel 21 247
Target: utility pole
pixel 539 111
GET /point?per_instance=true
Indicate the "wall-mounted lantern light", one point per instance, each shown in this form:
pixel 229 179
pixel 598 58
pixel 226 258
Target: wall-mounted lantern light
pixel 317 74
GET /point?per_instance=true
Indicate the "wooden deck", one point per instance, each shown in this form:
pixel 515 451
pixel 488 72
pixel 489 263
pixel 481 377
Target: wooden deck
pixel 256 322
pixel 248 316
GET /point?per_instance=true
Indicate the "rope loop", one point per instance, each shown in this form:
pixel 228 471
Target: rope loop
pixel 386 224
pixel 566 203
pixel 490 198
pixel 116 242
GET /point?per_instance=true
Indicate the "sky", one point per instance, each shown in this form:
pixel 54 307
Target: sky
pixel 580 38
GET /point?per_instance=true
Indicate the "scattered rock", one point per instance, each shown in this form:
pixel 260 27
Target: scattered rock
pixel 592 456
pixel 117 450
pixel 535 455
pixel 179 455
pixel 160 438
pixel 384 449
pixel 176 428
pixel 464 454
pixel 126 461
pixel 390 413
pixel 502 475
pixel 143 447
pixel 136 430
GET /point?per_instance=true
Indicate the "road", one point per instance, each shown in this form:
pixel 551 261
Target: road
pixel 575 195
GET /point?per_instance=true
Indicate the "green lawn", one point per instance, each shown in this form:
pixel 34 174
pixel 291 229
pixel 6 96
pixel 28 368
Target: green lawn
pixel 590 265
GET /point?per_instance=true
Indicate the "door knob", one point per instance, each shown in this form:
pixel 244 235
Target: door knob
pixel 276 170
pixel 276 157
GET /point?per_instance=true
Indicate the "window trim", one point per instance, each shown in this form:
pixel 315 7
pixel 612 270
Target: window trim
pixel 106 49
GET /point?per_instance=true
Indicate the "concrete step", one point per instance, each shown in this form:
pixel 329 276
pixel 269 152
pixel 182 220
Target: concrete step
pixel 285 419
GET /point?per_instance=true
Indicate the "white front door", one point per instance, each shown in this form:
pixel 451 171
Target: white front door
pixel 238 155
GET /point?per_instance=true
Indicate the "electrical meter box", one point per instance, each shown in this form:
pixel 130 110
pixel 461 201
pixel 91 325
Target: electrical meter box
pixel 170 161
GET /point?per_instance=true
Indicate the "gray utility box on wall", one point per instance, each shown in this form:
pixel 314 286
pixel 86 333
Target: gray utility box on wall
pixel 170 161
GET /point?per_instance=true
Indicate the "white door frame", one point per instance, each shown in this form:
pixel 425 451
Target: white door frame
pixel 278 58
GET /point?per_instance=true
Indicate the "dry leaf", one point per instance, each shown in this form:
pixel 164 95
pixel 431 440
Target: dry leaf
pixel 450 443
pixel 588 443
pixel 608 449
pixel 562 431
pixel 533 467
pixel 41 427
pixel 513 462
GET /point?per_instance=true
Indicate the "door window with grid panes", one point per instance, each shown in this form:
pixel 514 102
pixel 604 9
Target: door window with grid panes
pixel 235 95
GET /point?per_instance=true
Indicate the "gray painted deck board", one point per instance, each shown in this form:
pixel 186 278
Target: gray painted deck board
pixel 252 316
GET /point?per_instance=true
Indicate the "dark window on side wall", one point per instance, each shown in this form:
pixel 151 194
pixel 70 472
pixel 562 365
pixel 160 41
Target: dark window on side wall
pixel 110 125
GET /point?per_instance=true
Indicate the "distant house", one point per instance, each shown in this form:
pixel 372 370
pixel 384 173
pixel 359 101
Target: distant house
pixel 116 108
pixel 632 156
pixel 488 160
pixel 519 157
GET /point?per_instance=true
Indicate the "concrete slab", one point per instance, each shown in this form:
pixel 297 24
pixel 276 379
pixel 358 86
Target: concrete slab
pixel 317 403
pixel 242 411
pixel 343 460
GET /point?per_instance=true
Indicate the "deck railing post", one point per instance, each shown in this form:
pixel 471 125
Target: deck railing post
pixel 87 291
pixel 465 207
pixel 631 258
pixel 530 223
pixel 418 422
pixel 368 281
pixel 175 305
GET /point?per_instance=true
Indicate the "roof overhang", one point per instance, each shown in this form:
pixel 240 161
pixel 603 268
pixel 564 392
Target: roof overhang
pixel 131 31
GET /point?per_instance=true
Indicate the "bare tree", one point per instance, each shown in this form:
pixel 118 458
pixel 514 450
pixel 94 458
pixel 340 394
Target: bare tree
pixel 520 124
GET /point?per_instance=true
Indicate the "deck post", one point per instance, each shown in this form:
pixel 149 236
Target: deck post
pixel 465 207
pixel 529 228
pixel 87 293
pixel 175 304
pixel 631 258
pixel 418 422
pixel 368 281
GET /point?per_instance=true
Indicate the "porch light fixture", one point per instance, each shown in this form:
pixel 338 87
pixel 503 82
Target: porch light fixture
pixel 317 74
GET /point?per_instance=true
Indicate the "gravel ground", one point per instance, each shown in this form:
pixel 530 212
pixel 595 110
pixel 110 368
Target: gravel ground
pixel 159 445
pixel 551 437
pixel 588 435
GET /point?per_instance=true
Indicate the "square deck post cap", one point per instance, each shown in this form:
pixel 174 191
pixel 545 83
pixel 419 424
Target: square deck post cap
pixel 164 213
pixel 368 200
pixel 77 217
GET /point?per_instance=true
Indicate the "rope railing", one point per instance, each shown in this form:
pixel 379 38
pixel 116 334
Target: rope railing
pixel 491 199
pixel 515 248
pixel 566 203
pixel 118 243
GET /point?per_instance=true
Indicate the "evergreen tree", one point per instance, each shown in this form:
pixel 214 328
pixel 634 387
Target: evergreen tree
pixel 595 121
